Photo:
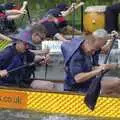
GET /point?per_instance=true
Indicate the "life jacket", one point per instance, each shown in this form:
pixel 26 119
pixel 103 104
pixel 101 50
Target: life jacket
pixel 69 48
pixel 60 22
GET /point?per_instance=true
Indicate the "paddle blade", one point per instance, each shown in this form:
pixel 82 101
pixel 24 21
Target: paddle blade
pixel 93 93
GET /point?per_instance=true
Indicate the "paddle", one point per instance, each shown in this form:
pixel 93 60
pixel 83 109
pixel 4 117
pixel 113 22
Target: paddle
pixel 46 69
pixel 28 13
pixel 82 16
pixel 73 19
pixel 94 89
pixel 21 67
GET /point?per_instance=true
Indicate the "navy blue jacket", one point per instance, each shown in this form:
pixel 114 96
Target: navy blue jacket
pixel 54 27
pixel 10 59
pixel 76 61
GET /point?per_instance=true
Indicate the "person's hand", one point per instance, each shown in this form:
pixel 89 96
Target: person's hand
pixel 99 69
pixel 105 49
pixel 23 11
pixel 25 3
pixel 114 34
pixel 46 51
pixel 73 4
pixel 3 73
pixel 80 4
pixel 108 66
pixel 44 59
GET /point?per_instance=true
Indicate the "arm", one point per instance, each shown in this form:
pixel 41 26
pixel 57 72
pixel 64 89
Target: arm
pixel 13 12
pixel 76 68
pixel 70 9
pixel 25 3
pixel 5 56
pixel 12 17
pixel 16 12
pixel 85 76
pixel 40 52
pixel 42 59
pixel 60 37
pixel 70 29
pixel 82 77
pixel 106 47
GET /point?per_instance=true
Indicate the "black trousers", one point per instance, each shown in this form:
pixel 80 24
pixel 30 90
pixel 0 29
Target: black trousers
pixel 111 17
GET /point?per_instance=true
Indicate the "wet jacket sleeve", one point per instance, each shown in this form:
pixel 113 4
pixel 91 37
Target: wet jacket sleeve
pixel 30 56
pixel 16 62
pixel 76 64
pixel 5 55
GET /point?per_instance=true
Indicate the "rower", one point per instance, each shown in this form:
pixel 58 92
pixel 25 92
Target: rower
pixel 79 64
pixel 16 55
pixel 54 20
pixel 8 13
pixel 111 17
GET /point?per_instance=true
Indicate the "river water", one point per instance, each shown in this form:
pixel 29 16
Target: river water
pixel 27 115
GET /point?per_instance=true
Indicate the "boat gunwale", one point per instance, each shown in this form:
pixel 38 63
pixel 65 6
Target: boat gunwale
pixel 46 91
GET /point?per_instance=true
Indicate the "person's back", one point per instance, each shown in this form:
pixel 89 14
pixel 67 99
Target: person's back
pixel 53 20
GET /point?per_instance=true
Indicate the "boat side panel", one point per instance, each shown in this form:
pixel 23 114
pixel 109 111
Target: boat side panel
pixel 72 104
pixel 49 102
pixel 13 99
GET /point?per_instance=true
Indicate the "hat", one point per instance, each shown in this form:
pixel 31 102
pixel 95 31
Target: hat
pixel 62 6
pixel 23 35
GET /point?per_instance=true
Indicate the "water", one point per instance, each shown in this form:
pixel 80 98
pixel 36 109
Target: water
pixel 27 115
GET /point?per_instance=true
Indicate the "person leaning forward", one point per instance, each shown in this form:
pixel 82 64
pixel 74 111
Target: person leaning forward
pixel 80 69
pixel 19 54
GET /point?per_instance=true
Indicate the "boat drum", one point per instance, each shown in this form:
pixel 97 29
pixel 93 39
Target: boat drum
pixel 58 103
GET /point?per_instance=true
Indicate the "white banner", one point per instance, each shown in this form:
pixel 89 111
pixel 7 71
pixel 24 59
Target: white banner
pixel 53 46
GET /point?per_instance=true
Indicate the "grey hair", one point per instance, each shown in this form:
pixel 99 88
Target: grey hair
pixel 100 33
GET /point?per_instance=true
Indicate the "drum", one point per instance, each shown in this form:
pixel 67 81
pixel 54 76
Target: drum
pixel 94 18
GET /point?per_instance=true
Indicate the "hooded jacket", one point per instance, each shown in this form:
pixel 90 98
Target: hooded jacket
pixel 76 61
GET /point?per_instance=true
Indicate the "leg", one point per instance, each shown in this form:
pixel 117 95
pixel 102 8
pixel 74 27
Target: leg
pixel 110 86
pixel 42 85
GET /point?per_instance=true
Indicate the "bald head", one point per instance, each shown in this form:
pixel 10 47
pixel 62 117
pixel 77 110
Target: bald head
pixel 100 34
pixel 96 41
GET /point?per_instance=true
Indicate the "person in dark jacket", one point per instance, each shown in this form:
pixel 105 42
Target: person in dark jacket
pixel 16 55
pixel 80 68
pixel 8 13
pixel 111 17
